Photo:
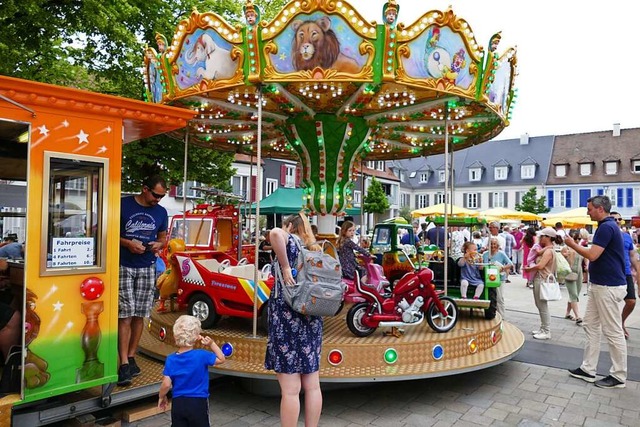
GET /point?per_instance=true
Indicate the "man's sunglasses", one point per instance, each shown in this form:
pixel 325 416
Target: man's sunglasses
pixel 154 194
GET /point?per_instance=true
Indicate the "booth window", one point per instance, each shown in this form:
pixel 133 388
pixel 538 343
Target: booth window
pixel 74 192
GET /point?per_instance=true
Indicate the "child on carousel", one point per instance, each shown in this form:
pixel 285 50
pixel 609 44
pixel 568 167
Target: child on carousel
pixel 470 270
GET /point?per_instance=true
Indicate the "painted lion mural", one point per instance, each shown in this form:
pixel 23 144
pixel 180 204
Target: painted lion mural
pixel 316 45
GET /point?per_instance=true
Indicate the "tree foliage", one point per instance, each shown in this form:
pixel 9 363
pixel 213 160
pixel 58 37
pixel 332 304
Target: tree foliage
pixel 98 45
pixel 532 203
pixel 376 200
pixel 405 212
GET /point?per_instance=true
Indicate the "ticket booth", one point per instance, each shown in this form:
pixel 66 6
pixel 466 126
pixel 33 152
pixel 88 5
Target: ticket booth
pixel 61 158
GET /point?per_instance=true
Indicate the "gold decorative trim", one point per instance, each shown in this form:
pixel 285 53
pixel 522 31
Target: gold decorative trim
pixel 440 85
pixel 341 8
pixel 318 74
pixel 442 19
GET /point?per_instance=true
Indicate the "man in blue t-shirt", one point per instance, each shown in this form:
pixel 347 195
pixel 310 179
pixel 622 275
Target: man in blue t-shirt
pixel 607 290
pixel 143 233
pixel 630 262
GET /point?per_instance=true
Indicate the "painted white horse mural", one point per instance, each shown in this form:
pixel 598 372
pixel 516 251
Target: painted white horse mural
pixel 218 61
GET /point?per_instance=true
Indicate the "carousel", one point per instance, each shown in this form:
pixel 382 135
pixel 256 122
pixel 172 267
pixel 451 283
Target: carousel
pixel 321 85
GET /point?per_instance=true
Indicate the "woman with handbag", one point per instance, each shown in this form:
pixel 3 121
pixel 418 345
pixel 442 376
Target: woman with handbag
pixel 544 270
pixel 573 280
pixel 294 344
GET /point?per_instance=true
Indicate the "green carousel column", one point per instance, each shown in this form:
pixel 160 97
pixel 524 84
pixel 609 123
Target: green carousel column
pixel 328 148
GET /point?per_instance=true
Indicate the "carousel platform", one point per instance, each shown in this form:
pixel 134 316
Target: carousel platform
pixel 473 344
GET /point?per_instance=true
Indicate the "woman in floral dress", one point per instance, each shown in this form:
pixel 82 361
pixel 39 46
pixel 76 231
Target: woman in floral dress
pixel 295 340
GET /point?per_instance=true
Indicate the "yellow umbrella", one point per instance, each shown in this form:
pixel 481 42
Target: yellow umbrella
pixel 571 218
pixel 504 213
pixel 439 210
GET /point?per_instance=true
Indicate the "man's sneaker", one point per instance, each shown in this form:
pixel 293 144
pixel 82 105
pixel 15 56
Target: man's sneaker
pixel 609 382
pixel 124 375
pixel 542 336
pixel 579 373
pixel 134 369
pixel 537 331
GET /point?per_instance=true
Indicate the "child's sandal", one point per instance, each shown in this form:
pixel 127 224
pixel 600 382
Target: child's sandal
pixel 579 321
pixel 570 317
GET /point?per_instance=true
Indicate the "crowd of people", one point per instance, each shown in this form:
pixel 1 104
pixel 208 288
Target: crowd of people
pixel 608 261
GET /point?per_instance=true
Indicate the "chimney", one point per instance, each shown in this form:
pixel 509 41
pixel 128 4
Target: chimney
pixel 616 129
pixel 524 139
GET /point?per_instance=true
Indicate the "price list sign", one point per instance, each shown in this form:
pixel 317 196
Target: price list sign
pixel 72 252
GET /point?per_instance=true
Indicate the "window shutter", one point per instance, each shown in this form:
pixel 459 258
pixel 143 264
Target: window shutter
pixel 478 204
pixel 417 198
pixel 505 200
pixel 584 195
pixel 600 191
pixel 298 176
pixel 283 175
pixel 620 201
pixel 465 202
pixel 629 197
pixel 490 200
pixel 253 188
pixel 173 191
pixel 426 200
pixel 567 200
pixel 550 198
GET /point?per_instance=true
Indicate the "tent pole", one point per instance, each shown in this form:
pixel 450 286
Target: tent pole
pixel 447 201
pixel 256 276
pixel 184 184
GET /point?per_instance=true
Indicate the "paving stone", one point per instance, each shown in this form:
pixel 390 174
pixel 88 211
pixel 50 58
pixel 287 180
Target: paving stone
pixel 496 414
pixel 506 408
pixel 557 401
pixel 420 420
pixel 574 419
pixel 584 408
pixel 591 422
pixel 448 416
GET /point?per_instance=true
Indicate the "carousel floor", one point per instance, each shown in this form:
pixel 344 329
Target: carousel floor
pixel 474 343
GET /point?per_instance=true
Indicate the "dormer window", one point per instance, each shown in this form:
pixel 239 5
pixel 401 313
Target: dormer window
pixel 636 166
pixel 440 176
pixel 424 177
pixel 611 168
pixel 475 174
pixel 561 171
pixel 527 171
pixel 500 173
pixel 585 169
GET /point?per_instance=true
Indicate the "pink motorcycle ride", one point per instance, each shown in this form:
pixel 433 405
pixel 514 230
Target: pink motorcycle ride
pixel 412 299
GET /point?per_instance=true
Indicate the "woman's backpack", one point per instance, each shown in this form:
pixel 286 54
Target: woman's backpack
pixel 319 290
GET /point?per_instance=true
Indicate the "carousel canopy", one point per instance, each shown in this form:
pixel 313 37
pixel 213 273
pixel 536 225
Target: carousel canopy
pixel 333 89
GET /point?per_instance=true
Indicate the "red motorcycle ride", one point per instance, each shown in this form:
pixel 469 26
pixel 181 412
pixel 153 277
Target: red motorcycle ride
pixel 413 298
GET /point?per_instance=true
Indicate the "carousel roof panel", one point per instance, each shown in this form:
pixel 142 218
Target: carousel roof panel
pixel 414 84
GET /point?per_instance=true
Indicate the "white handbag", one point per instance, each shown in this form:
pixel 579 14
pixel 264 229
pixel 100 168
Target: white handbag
pixel 550 289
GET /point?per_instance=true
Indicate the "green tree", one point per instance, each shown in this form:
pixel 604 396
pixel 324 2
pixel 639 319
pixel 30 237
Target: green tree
pixel 532 203
pixel 405 212
pixel 376 201
pixel 98 45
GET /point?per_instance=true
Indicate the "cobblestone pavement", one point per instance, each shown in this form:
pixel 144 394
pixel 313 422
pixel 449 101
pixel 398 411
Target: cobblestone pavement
pixel 511 394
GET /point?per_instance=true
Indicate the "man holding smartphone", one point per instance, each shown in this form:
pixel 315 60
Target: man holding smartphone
pixel 143 233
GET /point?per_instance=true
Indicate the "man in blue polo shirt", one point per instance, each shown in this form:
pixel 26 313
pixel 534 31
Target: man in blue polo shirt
pixel 608 288
pixel 143 233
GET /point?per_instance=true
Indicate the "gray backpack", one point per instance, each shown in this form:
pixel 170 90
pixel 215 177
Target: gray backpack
pixel 319 290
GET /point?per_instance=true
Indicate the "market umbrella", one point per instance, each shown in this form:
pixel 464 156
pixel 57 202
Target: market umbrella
pixel 504 213
pixel 439 210
pixel 571 218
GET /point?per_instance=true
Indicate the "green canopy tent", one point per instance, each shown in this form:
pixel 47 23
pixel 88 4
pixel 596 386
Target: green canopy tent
pixel 287 201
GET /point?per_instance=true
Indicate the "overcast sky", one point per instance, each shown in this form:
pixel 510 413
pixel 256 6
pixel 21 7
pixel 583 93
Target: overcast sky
pixel 577 60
